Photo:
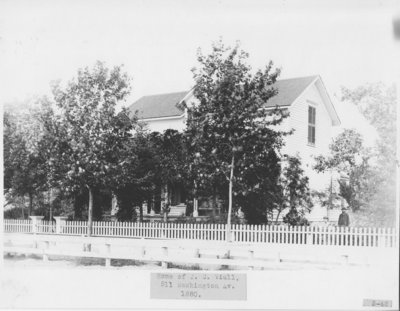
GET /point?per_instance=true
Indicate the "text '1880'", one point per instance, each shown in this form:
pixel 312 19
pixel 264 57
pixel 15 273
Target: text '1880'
pixel 207 286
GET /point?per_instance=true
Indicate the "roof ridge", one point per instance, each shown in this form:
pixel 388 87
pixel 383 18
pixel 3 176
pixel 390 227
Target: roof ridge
pixel 169 93
pixel 301 77
pixel 187 91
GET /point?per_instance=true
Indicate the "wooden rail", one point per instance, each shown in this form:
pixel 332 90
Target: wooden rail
pixel 195 252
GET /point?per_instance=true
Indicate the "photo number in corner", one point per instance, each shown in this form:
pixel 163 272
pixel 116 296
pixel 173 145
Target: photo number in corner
pixel 198 286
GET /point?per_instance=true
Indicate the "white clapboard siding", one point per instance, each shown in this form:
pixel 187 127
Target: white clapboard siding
pixel 177 210
pixel 297 143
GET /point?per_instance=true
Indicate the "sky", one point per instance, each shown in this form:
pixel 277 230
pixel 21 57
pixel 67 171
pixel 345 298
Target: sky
pixel 347 43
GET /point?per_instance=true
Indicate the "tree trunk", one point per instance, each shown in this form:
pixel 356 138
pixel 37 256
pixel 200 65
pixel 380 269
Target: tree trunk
pixel 30 204
pixel 50 205
pixel 90 212
pixel 165 202
pixel 228 229
pixel 214 202
pixel 22 210
pixel 277 216
pixel 166 195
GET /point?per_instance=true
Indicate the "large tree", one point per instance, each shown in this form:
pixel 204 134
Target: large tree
pixel 229 128
pixel 377 102
pixel 138 183
pixel 349 157
pixel 295 192
pixel 170 163
pixel 264 191
pixel 160 163
pixel 25 169
pixel 90 147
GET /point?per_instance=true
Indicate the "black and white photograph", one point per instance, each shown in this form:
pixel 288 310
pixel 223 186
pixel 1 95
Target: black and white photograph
pixel 200 154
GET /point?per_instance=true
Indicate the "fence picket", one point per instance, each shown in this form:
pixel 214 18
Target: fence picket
pixel 272 234
pixel 384 237
pixel 393 237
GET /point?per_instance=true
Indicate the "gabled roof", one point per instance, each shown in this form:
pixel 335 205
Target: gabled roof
pixel 158 106
pixel 164 105
pixel 289 90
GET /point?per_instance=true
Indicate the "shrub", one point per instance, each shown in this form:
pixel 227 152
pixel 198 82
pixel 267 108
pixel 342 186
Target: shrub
pixel 16 213
pixel 295 218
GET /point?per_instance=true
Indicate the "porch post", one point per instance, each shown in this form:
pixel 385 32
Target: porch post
pixel 114 206
pixel 195 208
pixel 152 212
pixel 195 202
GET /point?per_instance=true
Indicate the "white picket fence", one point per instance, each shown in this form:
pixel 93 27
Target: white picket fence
pixel 18 225
pixel 26 226
pixel 335 236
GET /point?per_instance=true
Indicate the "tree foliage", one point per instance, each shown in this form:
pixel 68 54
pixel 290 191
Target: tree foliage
pixel 349 157
pixel 25 169
pixel 295 192
pixel 90 147
pixel 377 102
pixel 229 130
pixel 139 185
pixel 170 153
pixel 91 136
pixel 160 161
pixel 264 189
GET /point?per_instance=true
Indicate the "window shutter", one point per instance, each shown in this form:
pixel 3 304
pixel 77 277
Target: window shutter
pixel 311 125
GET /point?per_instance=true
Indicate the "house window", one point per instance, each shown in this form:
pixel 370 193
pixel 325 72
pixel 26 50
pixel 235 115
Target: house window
pixel 311 125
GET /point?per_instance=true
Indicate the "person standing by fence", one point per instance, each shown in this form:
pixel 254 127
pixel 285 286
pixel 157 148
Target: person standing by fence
pixel 344 220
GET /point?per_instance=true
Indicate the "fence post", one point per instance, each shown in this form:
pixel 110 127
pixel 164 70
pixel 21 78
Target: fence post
pixel 345 259
pixel 251 257
pixel 36 221
pixel 46 247
pixel 60 223
pixel 108 258
pixel 143 249
pixel 278 257
pixel 164 264
pixel 196 255
pixel 195 208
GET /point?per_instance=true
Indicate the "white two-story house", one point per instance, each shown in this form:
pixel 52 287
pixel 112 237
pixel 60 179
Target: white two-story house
pixel 311 115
